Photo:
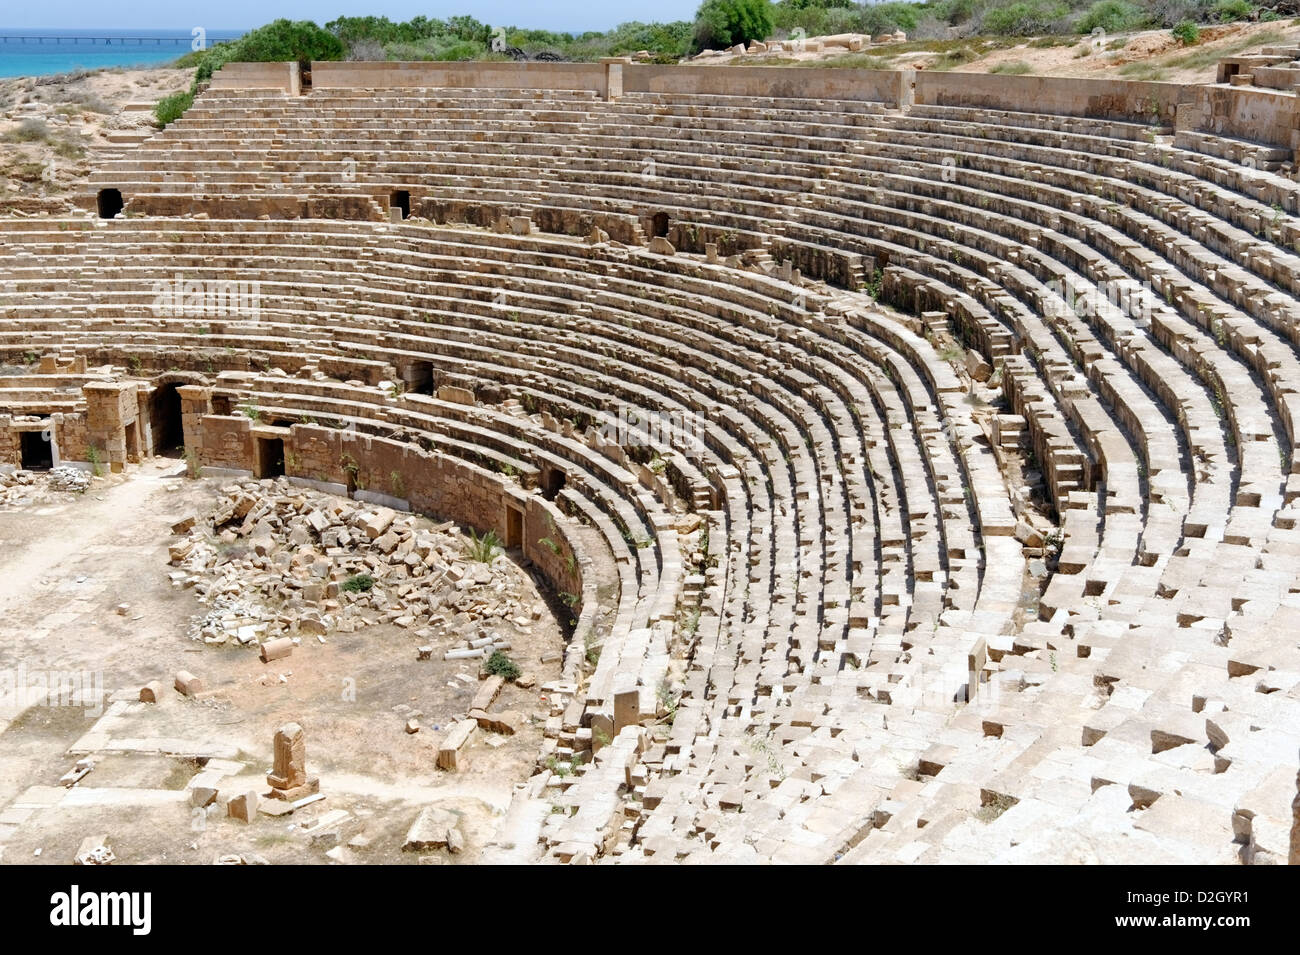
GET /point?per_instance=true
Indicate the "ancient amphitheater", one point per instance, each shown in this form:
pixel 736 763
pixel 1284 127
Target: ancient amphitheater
pixel 916 448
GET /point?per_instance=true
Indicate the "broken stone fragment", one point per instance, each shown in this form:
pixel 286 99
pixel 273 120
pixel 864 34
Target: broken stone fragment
pixel 187 684
pixel 430 829
pixel 276 649
pixel 94 850
pixel 449 752
pixel 152 691
pixel 243 807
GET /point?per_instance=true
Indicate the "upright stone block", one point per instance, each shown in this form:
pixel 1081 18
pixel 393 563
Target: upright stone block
pixel 288 778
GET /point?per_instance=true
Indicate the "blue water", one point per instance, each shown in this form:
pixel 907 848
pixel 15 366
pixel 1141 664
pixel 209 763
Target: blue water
pixel 59 51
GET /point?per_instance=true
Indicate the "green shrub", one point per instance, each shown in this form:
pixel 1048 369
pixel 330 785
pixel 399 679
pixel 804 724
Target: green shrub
pixel 878 18
pixel 501 665
pixel 440 48
pixel 484 549
pixel 1111 16
pixel 357 584
pixel 1186 33
pixel 724 23
pixel 171 108
pixel 1012 68
pixel 1024 18
pixel 1229 11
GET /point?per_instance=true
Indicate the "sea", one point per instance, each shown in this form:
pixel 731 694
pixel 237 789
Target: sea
pixel 42 52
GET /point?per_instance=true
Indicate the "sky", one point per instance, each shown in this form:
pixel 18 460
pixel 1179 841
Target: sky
pixel 564 15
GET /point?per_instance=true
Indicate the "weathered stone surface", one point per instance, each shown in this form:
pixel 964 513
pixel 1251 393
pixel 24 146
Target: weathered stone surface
pixel 431 830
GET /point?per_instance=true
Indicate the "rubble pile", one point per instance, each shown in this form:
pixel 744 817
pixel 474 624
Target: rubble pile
pixel 20 488
pixel 274 560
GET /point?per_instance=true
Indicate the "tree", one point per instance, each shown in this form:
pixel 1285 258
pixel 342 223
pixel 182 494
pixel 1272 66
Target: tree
pixel 724 23
pixel 300 41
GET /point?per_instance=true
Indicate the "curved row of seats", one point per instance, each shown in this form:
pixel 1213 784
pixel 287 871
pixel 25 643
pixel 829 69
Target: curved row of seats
pixel 846 535
pixel 1136 300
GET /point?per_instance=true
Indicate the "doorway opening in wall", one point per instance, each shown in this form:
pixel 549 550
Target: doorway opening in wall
pixel 419 378
pixel 552 482
pixel 270 458
pixel 165 420
pixel 660 224
pixel 304 77
pixel 132 434
pixel 401 199
pixel 37 450
pixel 108 203
pixel 514 527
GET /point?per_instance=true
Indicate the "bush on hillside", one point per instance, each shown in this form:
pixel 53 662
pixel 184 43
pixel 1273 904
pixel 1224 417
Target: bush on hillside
pixel 1025 18
pixel 1110 16
pixel 723 23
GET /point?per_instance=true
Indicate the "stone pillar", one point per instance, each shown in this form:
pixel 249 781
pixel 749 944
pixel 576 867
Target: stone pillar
pixel 906 88
pixel 10 443
pixel 112 410
pixel 288 778
pixel 613 85
pixel 196 401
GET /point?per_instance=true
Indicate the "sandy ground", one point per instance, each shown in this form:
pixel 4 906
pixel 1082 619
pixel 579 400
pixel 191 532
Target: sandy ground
pixel 52 128
pixel 66 566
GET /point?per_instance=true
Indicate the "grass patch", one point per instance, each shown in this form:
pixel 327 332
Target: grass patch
pixel 1012 68
pixel 1143 71
pixel 954 58
pixel 28 131
pixel 1049 42
pixel 850 61
pixel 69 150
pixel 1211 54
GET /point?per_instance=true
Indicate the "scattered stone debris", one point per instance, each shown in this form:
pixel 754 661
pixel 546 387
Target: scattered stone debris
pixel 274 560
pixel 22 488
pixel 79 772
pixel 94 850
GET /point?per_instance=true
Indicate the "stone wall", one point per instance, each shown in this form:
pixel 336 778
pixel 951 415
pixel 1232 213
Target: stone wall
pixel 257 76
pixel 70 436
pixel 432 483
pixel 511 76
pixel 877 86
pixel 11 453
pixel 1097 99
pixel 1244 112
pixel 1250 113
pixel 113 423
pixel 227 442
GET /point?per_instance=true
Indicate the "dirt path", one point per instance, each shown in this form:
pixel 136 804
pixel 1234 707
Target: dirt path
pixel 65 567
